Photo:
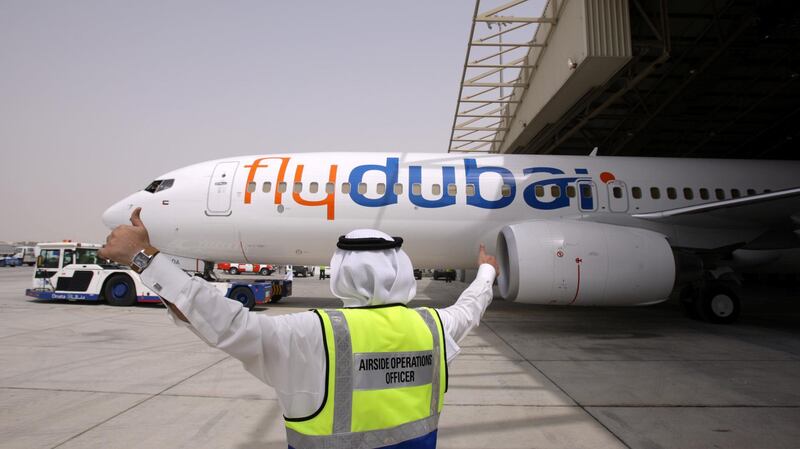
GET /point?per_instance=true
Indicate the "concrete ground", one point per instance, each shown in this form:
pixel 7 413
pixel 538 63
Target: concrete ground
pixel 88 375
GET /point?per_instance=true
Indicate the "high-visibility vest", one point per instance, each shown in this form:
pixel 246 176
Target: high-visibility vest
pixel 386 375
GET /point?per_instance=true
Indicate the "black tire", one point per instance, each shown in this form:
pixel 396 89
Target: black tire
pixel 243 295
pixel 275 298
pixel 719 304
pixel 233 270
pixel 120 291
pixel 263 272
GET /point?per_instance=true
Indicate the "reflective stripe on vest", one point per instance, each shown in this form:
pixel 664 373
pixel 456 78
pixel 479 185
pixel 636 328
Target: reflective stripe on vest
pixel 384 381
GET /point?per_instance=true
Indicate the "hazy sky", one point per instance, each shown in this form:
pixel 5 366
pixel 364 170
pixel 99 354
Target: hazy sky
pixel 97 98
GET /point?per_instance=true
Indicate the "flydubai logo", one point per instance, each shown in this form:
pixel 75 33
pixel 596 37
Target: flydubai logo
pixel 390 173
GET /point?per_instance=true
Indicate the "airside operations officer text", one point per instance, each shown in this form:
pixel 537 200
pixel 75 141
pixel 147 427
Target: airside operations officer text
pixel 369 375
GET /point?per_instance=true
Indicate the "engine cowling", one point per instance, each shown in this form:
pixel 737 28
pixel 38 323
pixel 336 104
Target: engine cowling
pixel 583 263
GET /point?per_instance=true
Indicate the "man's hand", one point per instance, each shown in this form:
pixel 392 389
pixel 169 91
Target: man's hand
pixel 487 258
pixel 125 241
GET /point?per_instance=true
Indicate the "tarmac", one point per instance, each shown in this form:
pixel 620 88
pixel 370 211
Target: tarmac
pixel 86 375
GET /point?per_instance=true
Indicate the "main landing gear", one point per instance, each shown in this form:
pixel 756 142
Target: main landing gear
pixel 716 301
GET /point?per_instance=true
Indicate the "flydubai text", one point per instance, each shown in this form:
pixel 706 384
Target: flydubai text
pixel 391 170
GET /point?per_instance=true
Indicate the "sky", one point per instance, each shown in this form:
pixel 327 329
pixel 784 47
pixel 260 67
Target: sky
pixel 98 98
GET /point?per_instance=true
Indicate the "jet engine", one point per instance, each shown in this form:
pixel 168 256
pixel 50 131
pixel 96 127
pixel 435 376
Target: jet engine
pixel 583 263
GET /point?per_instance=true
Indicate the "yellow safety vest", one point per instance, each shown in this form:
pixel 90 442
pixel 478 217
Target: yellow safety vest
pixel 386 375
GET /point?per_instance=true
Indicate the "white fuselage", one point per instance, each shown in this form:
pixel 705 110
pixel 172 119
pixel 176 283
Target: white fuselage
pixel 290 208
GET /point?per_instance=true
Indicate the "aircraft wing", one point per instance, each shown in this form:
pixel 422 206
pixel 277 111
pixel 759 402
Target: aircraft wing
pixel 767 209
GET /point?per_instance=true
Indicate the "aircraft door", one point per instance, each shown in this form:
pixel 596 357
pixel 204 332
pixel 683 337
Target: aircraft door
pixel 587 200
pixel 617 196
pixel 220 188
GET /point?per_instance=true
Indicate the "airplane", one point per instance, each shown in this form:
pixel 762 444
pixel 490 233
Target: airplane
pixel 567 230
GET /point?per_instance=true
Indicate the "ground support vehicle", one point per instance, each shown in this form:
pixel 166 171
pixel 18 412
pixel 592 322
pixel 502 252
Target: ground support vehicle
pixel 10 261
pixel 27 254
pixel 71 271
pixel 302 270
pixel 237 268
pixel 446 274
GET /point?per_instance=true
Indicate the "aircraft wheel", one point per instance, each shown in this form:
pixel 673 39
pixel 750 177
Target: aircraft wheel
pixel 244 295
pixel 719 304
pixel 120 290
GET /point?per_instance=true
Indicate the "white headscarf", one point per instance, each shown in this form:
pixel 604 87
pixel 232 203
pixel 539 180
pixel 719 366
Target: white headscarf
pixel 371 278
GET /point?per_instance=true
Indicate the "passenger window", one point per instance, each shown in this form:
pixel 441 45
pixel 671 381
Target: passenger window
pixel 655 193
pixel 617 191
pixel 251 187
pixel 266 187
pixel 671 193
pixel 282 187
pixel 571 191
pixel 505 191
pixel 381 188
pixel 398 189
pixel 345 188
pixel 416 189
pixel 539 191
pixel 298 187
pixel 636 192
pixel 704 193
pixel 719 193
pixel 313 187
pixel 451 189
pixel 436 189
pixel 688 193
pixel 470 189
pixel 329 187
pixel 751 192
pixel 586 191
pixel 735 193
pixel 362 188
pixel 555 191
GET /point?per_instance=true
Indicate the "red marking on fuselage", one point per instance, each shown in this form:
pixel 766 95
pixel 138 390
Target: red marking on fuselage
pixel 578 261
pixel 607 177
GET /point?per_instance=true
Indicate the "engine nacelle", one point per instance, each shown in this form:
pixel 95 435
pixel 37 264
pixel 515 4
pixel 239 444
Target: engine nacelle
pixel 583 263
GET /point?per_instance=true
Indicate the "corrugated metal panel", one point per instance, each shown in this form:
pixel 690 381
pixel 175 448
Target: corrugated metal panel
pixel 608 30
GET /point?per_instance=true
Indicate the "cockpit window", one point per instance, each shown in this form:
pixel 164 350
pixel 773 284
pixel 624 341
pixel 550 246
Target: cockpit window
pixel 153 186
pixel 159 185
pixel 165 184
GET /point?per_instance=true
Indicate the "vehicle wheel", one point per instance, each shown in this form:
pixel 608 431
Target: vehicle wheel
pixel 263 272
pixel 244 295
pixel 275 298
pixel 233 270
pixel 719 304
pixel 120 290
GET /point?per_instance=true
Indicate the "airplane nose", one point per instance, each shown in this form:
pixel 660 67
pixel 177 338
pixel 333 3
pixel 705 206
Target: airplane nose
pixel 117 214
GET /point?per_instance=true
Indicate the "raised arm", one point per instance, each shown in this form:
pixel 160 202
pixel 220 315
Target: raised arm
pixel 463 316
pixel 264 344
